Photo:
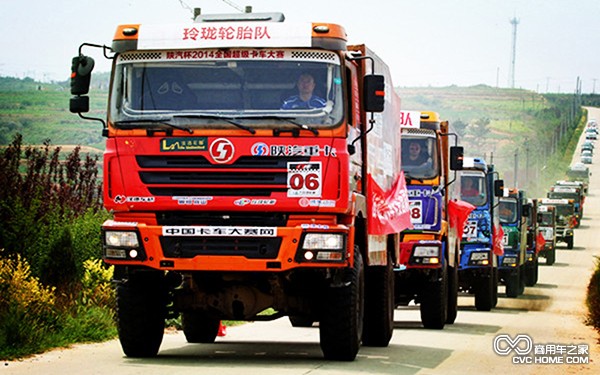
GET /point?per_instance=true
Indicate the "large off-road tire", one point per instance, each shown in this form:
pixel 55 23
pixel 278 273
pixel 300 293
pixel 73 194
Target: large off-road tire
pixel 141 312
pixel 484 292
pixel 494 287
pixel 522 279
pixel 434 302
pixel 341 323
pixel 531 273
pixel 551 256
pixel 513 282
pixel 199 328
pixel 379 306
pixel 452 309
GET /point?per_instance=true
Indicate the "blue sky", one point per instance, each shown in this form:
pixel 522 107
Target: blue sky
pixel 425 42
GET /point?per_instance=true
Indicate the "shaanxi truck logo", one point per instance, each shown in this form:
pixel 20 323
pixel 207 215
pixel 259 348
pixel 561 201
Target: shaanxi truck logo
pixel 222 150
pixel 504 344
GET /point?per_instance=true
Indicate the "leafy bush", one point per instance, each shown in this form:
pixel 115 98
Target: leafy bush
pixel 593 298
pixel 28 312
pixel 54 289
pixel 97 289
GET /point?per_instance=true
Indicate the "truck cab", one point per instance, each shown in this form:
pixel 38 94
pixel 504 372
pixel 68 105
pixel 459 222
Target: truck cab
pixel 547 227
pixel 565 219
pixel 563 190
pixel 512 212
pixel 234 193
pixel 427 267
pixel 478 270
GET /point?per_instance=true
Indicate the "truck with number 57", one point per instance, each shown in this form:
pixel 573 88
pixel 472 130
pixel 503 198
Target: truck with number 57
pixel 227 203
pixel 481 240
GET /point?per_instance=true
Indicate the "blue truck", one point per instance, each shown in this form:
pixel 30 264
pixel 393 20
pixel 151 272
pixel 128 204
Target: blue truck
pixel 478 268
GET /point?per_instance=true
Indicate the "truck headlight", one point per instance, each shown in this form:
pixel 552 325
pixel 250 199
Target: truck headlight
pixel 323 241
pixel 324 247
pixel 479 258
pixel 509 261
pixel 123 245
pixel 121 239
pixel 426 251
pixel 426 254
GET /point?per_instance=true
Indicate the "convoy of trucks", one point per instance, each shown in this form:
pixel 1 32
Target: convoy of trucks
pixel 257 168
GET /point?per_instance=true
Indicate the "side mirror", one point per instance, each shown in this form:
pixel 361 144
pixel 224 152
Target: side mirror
pixel 81 73
pixel 530 239
pixel 373 93
pixel 499 188
pixel 456 158
pixel 79 104
pixel 526 210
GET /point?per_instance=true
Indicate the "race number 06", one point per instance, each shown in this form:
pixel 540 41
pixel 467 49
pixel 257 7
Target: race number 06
pixel 304 179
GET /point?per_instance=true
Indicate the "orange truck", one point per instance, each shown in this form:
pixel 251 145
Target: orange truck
pixel 234 194
pixel 427 269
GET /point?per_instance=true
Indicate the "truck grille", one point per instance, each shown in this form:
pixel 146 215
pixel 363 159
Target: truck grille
pixel 248 176
pixel 270 219
pixel 189 247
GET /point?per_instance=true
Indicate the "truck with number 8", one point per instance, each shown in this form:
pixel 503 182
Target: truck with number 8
pixel 426 271
pixel 233 193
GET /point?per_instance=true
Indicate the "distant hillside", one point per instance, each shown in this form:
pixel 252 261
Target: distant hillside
pixel 502 125
pixel 40 111
pixel 513 128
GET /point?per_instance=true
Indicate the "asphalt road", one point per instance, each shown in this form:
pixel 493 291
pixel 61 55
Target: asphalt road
pixel 551 314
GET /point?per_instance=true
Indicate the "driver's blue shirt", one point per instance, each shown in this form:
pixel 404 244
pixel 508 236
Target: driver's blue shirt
pixel 295 102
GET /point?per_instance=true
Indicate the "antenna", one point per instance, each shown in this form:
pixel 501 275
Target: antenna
pixel 514 22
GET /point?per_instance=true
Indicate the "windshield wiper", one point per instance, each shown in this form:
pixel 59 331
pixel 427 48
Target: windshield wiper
pixel 163 121
pixel 292 121
pixel 216 117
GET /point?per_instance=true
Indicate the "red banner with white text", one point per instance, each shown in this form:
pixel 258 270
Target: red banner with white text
pixel 389 210
pixel 458 212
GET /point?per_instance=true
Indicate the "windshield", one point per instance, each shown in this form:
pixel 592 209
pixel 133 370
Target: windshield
pixel 564 210
pixel 472 188
pixel 578 174
pixel 419 154
pixel 262 87
pixel 546 218
pixel 563 195
pixel 508 210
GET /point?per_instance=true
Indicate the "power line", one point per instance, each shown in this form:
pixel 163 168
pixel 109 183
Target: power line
pixel 233 5
pixel 228 2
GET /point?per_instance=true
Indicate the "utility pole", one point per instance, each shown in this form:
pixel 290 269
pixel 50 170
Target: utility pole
pixel 594 86
pixel 516 167
pixel 514 22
